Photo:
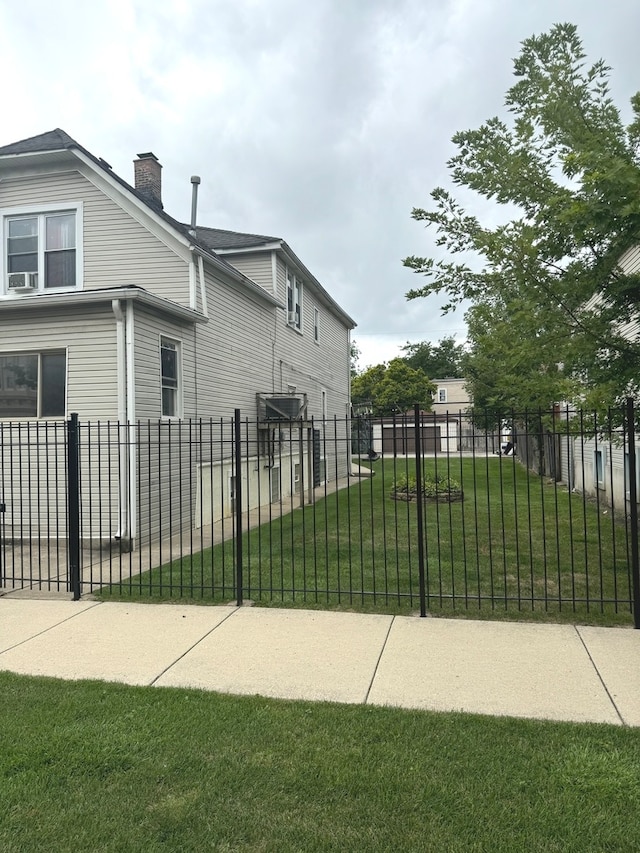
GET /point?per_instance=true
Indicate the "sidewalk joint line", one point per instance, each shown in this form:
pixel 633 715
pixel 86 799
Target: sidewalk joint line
pixel 51 627
pixel 606 689
pixel 375 669
pixel 191 648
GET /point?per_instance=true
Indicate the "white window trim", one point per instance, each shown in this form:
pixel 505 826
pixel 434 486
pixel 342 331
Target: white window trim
pixel 297 285
pixel 39 353
pixel 179 395
pixel 316 325
pixel 36 210
pixel 442 392
pixel 323 469
pixel 600 484
pixel 272 474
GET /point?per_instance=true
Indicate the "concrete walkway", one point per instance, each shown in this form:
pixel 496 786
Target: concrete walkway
pixel 555 672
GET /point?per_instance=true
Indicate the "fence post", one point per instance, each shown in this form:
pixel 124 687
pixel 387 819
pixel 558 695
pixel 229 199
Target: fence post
pixel 238 507
pixel 633 512
pixel 420 508
pixel 73 504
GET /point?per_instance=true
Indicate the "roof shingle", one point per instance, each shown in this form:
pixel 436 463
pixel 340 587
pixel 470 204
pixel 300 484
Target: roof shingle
pixel 217 238
pixel 53 140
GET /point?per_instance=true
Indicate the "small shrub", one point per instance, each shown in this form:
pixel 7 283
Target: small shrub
pixel 432 486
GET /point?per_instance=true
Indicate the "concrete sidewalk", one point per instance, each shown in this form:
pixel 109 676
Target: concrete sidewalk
pixel 555 672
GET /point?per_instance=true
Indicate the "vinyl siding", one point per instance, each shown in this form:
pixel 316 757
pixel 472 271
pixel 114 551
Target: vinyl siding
pixel 34 484
pixel 117 249
pixel 89 336
pixel 149 327
pixel 630 261
pixel 457 397
pixel 255 265
pixel 235 351
pixel 314 367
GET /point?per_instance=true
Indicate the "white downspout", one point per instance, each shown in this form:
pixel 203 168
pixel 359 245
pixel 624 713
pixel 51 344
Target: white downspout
pixel 131 422
pixel 121 369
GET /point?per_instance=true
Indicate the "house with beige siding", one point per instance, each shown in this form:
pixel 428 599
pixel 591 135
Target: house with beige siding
pixel 112 309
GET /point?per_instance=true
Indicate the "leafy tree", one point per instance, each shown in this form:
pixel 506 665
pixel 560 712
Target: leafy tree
pixel 438 361
pixel 549 299
pixel 392 387
pixel 354 356
pixel 363 385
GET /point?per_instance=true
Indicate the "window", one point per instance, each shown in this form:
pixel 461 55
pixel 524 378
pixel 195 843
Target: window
pixel 442 395
pixel 33 385
pixel 316 325
pixel 275 485
pixel 294 301
pixel 599 467
pixel 324 405
pixel 169 360
pixel 44 244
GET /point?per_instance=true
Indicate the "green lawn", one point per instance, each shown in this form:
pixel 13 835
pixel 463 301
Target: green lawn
pixel 517 545
pixel 88 766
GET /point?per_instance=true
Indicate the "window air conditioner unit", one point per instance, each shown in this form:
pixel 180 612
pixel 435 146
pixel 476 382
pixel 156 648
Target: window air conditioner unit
pixel 22 282
pixel 283 408
pixel 292 318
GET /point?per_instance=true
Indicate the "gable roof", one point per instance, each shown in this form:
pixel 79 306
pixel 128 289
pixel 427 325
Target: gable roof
pixel 207 240
pixel 53 140
pixel 59 140
pixel 235 242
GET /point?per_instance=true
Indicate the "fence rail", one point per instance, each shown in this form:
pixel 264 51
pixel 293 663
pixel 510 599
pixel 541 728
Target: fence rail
pixel 409 513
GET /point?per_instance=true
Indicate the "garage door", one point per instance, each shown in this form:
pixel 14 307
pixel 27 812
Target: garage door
pixel 401 439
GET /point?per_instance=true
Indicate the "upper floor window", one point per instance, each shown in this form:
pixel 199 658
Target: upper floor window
pixel 33 385
pixel 442 395
pixel 294 300
pixel 169 366
pixel 41 250
pixel 316 325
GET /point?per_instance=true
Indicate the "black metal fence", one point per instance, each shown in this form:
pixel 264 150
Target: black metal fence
pixel 416 513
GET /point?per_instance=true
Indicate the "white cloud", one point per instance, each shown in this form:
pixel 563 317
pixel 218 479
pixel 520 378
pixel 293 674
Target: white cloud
pixel 323 122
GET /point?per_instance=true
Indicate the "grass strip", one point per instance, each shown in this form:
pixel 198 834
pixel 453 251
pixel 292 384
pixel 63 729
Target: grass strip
pixel 89 766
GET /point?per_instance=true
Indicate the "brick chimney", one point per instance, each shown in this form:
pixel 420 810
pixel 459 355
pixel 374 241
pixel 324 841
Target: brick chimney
pixel 148 178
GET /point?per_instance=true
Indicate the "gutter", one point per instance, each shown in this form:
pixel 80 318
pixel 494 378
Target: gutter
pixel 131 293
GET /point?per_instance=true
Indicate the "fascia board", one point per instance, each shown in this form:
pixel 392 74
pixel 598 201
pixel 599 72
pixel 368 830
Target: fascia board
pixel 246 250
pixel 45 301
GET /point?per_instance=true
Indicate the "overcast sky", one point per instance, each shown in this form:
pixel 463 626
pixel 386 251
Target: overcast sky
pixel 319 121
